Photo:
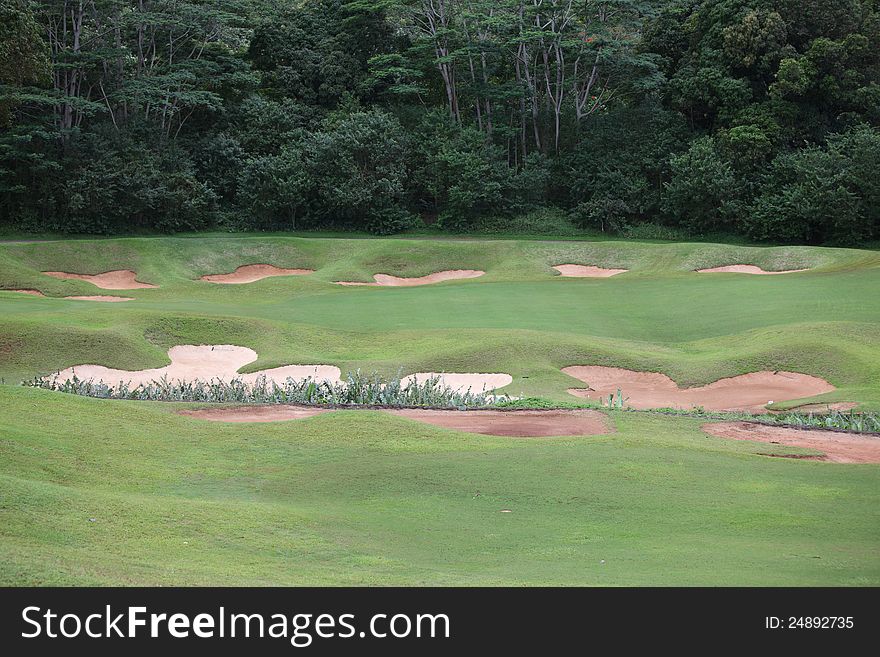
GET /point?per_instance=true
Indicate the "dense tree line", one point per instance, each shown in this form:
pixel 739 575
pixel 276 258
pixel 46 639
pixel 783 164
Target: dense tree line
pixel 757 117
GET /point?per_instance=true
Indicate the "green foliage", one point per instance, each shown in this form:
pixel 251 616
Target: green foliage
pixel 357 389
pixel 358 168
pixel 704 192
pixel 820 195
pixel 24 57
pixel 369 114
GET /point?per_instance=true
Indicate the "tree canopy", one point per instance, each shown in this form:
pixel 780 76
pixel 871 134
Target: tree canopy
pixel 753 117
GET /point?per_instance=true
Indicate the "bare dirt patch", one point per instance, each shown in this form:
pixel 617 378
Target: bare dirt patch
pixel 836 447
pixel 386 280
pixel 587 271
pixel 270 413
pixel 645 390
pixel 205 363
pixel 746 269
pixel 101 297
pixel 119 279
pixel 524 424
pixel 461 382
pixel 34 293
pixel 252 273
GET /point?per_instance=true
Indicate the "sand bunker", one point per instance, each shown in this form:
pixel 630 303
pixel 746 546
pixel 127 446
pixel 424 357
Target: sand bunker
pixel 120 279
pixel 204 362
pixel 99 297
pixel 514 423
pixel 821 408
pixel 835 446
pixel 102 297
pixel 477 383
pixel 747 392
pixel 251 273
pixel 491 423
pixel 269 413
pixel 386 280
pixel 587 271
pixel 34 293
pixel 745 269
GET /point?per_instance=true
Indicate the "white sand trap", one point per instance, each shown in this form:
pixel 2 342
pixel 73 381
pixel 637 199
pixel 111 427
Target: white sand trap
pixel 747 392
pixel 119 279
pixel 33 293
pixel 102 297
pixel 477 383
pixel 746 269
pixel 386 280
pixel 205 363
pixel 267 413
pixel 251 273
pixel 587 271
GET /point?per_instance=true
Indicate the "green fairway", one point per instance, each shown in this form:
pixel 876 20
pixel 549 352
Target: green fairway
pixel 360 497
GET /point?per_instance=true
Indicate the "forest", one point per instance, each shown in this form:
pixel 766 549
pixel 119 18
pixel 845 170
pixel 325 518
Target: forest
pixel 643 118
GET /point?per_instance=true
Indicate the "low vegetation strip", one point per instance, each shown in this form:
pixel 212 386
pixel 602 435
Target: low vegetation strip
pixel 356 389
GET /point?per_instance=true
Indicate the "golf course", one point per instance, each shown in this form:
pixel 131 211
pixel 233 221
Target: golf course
pixel 128 492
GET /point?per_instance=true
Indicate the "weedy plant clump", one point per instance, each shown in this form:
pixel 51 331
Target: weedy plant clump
pixel 357 389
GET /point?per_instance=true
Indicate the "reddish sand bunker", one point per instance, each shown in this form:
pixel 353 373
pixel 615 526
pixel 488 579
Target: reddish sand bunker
pixel 269 413
pixel 34 293
pixel 120 279
pixel 205 363
pixel 514 423
pixel 745 269
pixel 109 299
pixel 835 446
pixel 477 383
pixel 386 280
pixel 587 271
pixel 492 423
pixel 747 392
pixel 251 273
pixel 102 297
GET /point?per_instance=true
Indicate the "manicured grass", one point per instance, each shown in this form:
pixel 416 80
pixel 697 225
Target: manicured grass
pixel 358 498
pixel 365 498
pixel 520 317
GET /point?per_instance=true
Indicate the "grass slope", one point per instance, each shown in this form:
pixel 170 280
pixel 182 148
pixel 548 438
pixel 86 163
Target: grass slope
pixel 366 498
pixel 520 318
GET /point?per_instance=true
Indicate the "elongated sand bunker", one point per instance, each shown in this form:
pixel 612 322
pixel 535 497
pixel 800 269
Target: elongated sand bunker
pixel 100 297
pixel 204 363
pixel 33 293
pixel 268 413
pixel 119 279
pixel 835 446
pixel 386 280
pixel 587 271
pixel 476 383
pixel 747 392
pixel 524 424
pixel 252 273
pixel 746 269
